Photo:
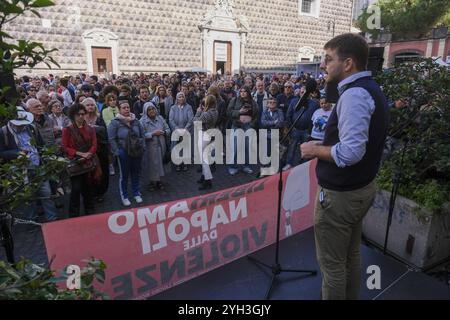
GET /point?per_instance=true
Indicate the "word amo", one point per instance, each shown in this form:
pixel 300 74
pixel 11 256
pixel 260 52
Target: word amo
pixel 154 278
pixel 154 232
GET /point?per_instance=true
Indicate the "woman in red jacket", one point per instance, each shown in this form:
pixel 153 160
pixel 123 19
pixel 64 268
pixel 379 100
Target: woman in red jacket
pixel 80 141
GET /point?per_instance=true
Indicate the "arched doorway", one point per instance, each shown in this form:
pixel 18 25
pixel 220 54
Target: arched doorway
pixel 223 39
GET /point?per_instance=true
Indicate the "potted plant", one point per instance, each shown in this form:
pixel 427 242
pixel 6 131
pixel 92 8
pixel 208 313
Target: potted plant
pixel 415 171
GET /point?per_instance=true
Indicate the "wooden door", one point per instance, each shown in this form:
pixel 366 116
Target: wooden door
pixel 102 60
pixel 222 56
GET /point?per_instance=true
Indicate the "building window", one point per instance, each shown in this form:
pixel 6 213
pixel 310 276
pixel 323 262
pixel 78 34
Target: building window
pixel 406 57
pixel 309 8
pixel 306 6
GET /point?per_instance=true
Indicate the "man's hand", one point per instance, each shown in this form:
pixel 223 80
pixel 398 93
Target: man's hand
pixel 84 155
pixel 309 149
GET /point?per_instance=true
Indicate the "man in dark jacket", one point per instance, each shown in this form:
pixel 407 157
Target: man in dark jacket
pixel 144 97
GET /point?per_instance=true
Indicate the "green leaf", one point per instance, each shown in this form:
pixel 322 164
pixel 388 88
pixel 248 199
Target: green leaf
pixel 9 8
pixel 41 3
pixel 5 35
pixel 36 13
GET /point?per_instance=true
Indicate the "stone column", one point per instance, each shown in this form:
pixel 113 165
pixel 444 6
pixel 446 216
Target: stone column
pixel 386 56
pixel 441 50
pixel 429 50
pixel 243 43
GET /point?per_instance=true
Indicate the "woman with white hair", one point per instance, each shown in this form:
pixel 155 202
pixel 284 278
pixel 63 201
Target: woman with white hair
pixel 94 120
pixel 181 118
pixel 156 130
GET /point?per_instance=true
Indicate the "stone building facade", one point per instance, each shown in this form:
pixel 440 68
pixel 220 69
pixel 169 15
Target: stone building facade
pixel 112 36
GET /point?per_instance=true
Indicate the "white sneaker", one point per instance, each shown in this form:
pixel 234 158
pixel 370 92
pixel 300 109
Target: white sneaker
pixel 287 167
pixel 138 199
pixel 126 202
pixel 112 170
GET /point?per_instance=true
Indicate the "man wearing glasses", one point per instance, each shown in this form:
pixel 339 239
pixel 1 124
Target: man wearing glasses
pixel 284 99
pixel 349 159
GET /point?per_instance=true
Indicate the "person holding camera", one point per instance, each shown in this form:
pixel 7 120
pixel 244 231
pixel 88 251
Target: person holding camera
pixel 207 115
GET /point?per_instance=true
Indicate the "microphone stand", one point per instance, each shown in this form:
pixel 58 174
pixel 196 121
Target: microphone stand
pixel 276 268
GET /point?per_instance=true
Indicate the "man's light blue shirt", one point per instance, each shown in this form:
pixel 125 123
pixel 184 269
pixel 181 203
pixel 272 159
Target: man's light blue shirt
pixel 354 111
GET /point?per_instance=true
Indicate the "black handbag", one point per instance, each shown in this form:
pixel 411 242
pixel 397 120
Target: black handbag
pixel 78 165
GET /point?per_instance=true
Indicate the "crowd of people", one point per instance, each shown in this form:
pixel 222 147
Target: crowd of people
pixel 123 124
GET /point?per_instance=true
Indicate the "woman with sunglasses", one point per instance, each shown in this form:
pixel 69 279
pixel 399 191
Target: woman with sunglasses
pixel 80 141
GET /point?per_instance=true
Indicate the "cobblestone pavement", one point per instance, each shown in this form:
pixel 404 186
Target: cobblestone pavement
pixel 28 239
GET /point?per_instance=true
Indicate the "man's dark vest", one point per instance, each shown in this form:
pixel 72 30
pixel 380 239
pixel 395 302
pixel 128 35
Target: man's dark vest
pixel 359 175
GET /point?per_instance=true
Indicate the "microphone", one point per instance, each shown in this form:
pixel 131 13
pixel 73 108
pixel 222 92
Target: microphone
pixel 311 86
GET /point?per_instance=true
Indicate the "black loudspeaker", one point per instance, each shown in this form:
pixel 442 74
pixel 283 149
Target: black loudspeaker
pixel 7 80
pixel 376 60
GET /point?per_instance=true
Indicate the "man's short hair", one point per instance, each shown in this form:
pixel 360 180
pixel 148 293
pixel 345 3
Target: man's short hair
pixel 144 87
pixel 125 87
pixel 64 82
pixel 87 88
pixel 350 45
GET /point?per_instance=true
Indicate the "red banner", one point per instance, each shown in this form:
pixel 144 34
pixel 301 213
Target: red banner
pixel 150 249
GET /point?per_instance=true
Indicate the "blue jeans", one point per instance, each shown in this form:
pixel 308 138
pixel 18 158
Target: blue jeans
pixel 297 138
pixel 235 164
pixel 50 211
pixel 129 166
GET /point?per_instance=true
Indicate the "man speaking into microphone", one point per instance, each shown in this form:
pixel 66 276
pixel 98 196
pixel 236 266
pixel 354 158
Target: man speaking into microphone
pixel 348 161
